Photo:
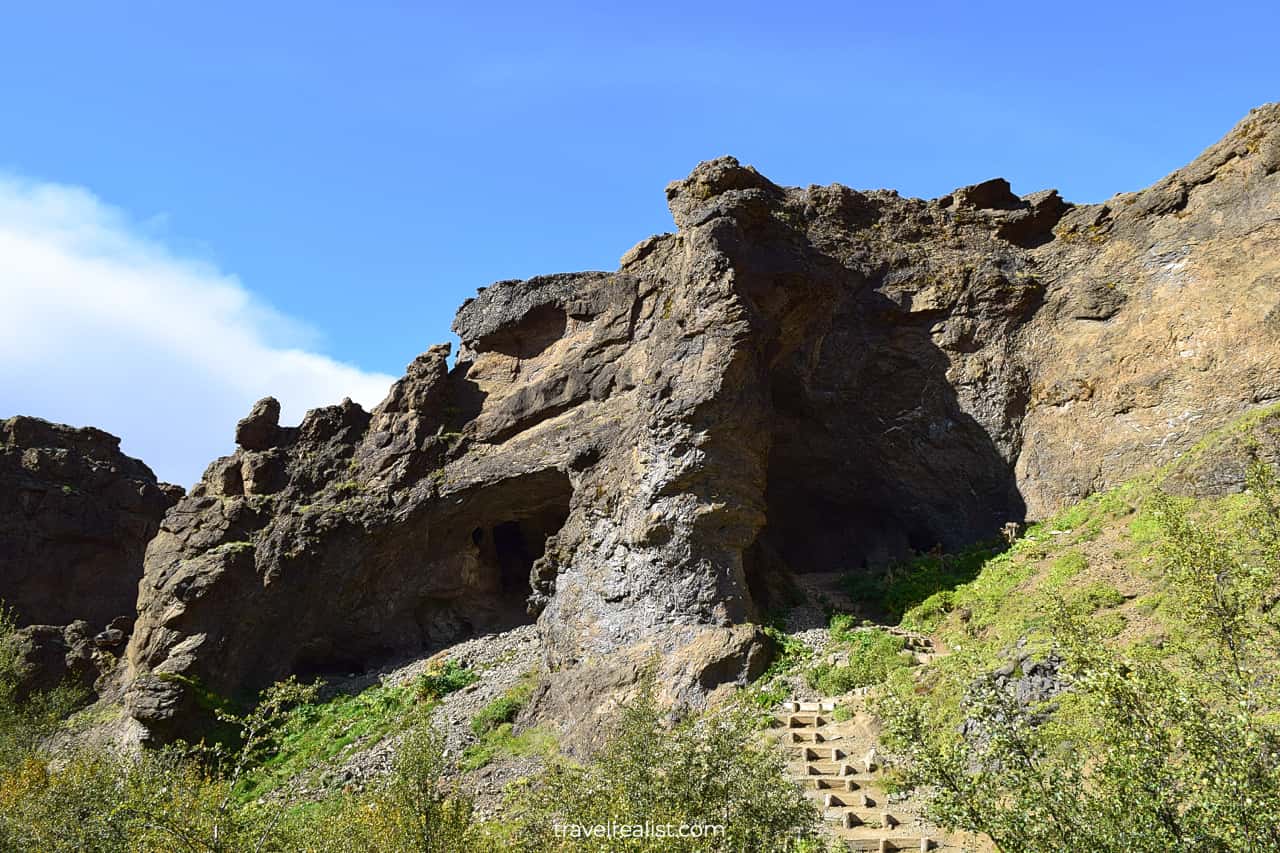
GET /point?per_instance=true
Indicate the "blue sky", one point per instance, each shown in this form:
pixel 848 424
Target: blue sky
pixel 351 172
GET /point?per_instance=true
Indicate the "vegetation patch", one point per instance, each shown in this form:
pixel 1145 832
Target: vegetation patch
pixel 872 655
pixel 504 742
pixel 439 681
pixel 1166 743
pixel 316 733
pixel 771 687
pixel 505 708
pixel 906 584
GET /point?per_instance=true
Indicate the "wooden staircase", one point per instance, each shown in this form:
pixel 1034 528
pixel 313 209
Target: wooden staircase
pixel 847 787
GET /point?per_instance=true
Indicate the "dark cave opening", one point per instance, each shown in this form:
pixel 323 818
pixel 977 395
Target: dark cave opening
pixel 511 536
pixel 873 460
pixel 516 545
pixel 322 659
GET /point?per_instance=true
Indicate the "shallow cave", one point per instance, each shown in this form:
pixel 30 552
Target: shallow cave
pixel 320 659
pixel 483 554
pixel 460 572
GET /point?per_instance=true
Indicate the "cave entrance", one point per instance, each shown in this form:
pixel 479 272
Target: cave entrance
pixel 514 546
pixel 511 538
pixel 873 460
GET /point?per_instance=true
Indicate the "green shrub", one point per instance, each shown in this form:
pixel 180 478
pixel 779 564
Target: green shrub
pixel 1094 596
pixel 906 584
pixel 413 810
pixel 26 720
pixel 314 733
pixel 928 614
pixel 707 770
pixel 873 654
pixel 504 709
pixel 438 682
pixel 771 687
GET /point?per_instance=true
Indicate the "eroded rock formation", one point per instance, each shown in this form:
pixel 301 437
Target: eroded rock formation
pixel 75 518
pixel 797 379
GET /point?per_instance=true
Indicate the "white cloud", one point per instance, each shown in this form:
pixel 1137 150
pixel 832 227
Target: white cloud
pixel 101 325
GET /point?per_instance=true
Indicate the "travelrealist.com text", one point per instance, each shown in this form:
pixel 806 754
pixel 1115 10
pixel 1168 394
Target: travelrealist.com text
pixel 639 830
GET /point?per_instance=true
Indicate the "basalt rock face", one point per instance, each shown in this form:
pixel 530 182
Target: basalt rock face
pixel 795 380
pixel 75 518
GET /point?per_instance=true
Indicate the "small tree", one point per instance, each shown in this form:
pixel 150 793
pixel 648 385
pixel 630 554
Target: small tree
pixel 413 810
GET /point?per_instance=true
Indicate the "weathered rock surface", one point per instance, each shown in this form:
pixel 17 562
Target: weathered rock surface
pixel 796 380
pixel 75 518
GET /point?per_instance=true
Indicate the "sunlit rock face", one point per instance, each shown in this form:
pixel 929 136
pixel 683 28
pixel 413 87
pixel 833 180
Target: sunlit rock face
pixel 795 380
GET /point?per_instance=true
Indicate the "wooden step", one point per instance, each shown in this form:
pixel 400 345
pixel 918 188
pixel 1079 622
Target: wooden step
pixel 806 736
pixel 851 799
pixel 885 845
pixel 829 768
pixel 808 752
pixel 822 706
pixel 849 817
pixel 829 783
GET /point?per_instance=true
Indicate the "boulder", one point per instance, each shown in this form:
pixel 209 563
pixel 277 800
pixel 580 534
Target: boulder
pixel 259 429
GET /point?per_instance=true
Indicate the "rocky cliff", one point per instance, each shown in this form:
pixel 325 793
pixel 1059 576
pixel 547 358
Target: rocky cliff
pixel 75 518
pixel 641 460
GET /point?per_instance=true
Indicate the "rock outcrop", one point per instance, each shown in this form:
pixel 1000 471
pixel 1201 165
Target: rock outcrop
pixel 75 518
pixel 796 380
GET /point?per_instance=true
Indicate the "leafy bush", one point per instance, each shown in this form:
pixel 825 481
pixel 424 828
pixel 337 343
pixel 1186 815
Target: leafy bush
pixel 711 770
pixel 25 720
pixel 413 810
pixel 172 799
pixel 909 583
pixel 314 733
pixel 1094 596
pixel 771 687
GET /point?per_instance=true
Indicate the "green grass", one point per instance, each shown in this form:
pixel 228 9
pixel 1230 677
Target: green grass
pixel 504 742
pixel 1094 596
pixel 1064 568
pixel 316 734
pixel 909 583
pixel 770 688
pixel 442 680
pixel 873 655
pixel 505 708
pixel 347 487
pixel 1007 597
